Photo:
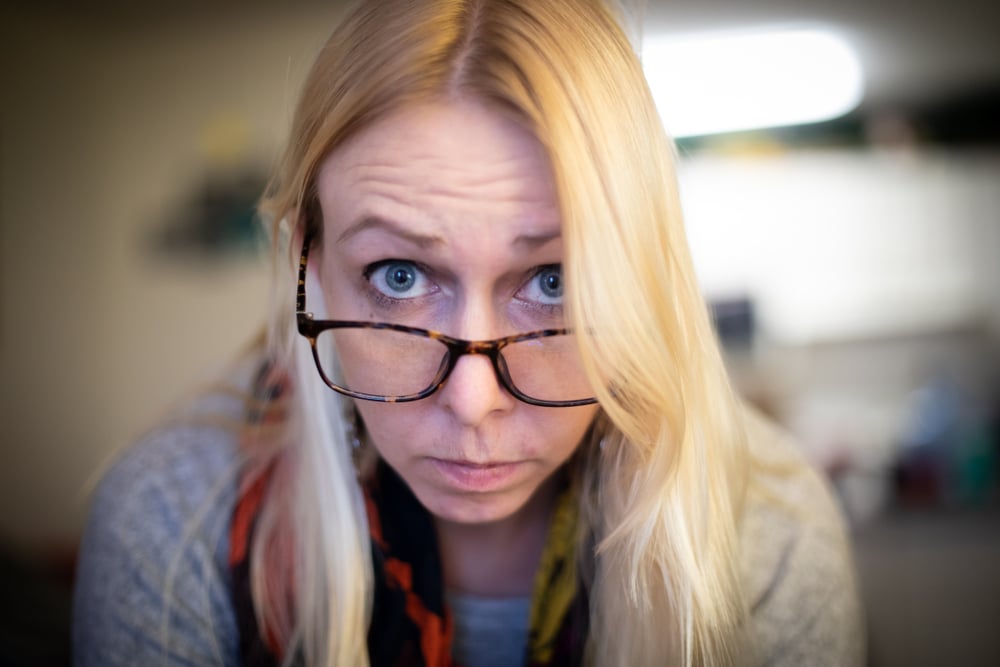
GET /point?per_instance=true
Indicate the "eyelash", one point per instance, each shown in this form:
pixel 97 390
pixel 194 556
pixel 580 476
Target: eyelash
pixel 386 302
pixel 548 309
pixel 381 299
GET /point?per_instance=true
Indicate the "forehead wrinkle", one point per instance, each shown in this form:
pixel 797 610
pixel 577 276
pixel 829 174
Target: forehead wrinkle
pixel 441 187
pixel 384 179
pixel 367 222
pixel 446 203
pixel 434 225
pixel 504 173
pixel 510 189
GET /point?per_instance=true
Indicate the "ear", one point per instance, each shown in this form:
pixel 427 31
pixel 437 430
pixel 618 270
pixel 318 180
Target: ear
pixel 293 230
pixel 293 227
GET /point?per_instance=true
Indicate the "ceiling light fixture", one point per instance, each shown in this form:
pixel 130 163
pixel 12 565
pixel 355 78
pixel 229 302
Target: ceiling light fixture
pixel 726 82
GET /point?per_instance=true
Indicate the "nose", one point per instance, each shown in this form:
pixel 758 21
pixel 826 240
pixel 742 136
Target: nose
pixel 473 391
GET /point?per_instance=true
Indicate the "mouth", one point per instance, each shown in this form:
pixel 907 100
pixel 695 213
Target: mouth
pixel 476 477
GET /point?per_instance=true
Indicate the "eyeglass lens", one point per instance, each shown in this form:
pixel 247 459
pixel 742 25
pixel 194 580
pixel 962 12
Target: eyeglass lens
pixel 384 362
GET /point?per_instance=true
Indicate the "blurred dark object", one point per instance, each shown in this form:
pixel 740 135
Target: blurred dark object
pixel 971 119
pixel 218 218
pixel 734 321
pixel 949 453
pixel 35 613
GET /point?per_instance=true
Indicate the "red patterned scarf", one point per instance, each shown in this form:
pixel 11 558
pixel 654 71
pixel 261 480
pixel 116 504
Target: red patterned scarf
pixel 411 625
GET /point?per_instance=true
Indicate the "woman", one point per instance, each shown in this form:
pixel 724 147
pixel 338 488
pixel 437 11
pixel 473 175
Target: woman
pixel 577 484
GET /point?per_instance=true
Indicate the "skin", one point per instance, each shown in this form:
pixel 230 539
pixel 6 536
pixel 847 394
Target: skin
pixel 465 198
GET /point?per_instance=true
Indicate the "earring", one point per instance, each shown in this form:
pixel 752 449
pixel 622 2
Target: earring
pixel 355 429
pixel 362 455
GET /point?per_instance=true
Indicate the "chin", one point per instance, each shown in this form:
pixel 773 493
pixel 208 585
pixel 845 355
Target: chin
pixel 472 508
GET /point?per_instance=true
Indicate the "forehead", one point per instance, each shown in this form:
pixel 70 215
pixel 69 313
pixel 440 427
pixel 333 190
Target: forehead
pixel 441 163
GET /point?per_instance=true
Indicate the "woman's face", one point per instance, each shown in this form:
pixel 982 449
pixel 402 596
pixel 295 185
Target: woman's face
pixel 444 216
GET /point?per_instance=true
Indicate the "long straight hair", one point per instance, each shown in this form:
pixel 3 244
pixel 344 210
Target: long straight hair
pixel 664 490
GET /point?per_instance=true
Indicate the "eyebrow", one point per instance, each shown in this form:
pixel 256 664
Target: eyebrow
pixel 532 241
pixel 374 222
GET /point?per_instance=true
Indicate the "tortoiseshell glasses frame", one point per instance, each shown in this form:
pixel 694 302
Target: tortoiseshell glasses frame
pixel 311 328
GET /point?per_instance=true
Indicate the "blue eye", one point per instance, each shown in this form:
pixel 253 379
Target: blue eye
pixel 400 277
pixel 545 286
pixel 397 278
pixel 550 282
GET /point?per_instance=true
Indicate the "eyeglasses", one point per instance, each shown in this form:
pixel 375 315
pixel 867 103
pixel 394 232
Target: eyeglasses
pixel 394 363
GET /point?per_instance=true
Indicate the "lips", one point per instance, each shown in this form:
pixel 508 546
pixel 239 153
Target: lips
pixel 476 477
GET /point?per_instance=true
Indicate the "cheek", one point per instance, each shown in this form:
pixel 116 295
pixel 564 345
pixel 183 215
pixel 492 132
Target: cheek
pixel 402 433
pixel 389 427
pixel 559 432
pixel 550 434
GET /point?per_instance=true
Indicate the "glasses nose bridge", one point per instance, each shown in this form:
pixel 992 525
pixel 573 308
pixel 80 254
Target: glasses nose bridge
pixel 486 348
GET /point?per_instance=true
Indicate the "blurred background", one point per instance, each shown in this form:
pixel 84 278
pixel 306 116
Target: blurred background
pixel 851 263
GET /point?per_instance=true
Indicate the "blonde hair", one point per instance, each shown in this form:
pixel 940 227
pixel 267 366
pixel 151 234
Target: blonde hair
pixel 664 490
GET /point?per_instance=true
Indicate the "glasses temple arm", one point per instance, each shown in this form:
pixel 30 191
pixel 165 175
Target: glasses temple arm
pixel 300 290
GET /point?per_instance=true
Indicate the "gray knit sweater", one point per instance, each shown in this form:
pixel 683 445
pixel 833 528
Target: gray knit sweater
pixel 153 585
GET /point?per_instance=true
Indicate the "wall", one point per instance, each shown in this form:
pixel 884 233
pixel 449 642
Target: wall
pixel 849 243
pixel 108 122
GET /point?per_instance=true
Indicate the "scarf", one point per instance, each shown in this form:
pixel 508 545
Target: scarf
pixel 411 625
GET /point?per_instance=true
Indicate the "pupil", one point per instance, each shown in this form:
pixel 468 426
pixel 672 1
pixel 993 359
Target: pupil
pixel 552 284
pixel 399 278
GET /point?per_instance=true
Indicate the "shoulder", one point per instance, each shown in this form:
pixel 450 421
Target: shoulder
pixel 153 580
pixel 797 565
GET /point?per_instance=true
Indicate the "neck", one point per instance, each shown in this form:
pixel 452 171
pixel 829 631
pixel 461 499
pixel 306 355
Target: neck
pixel 500 558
